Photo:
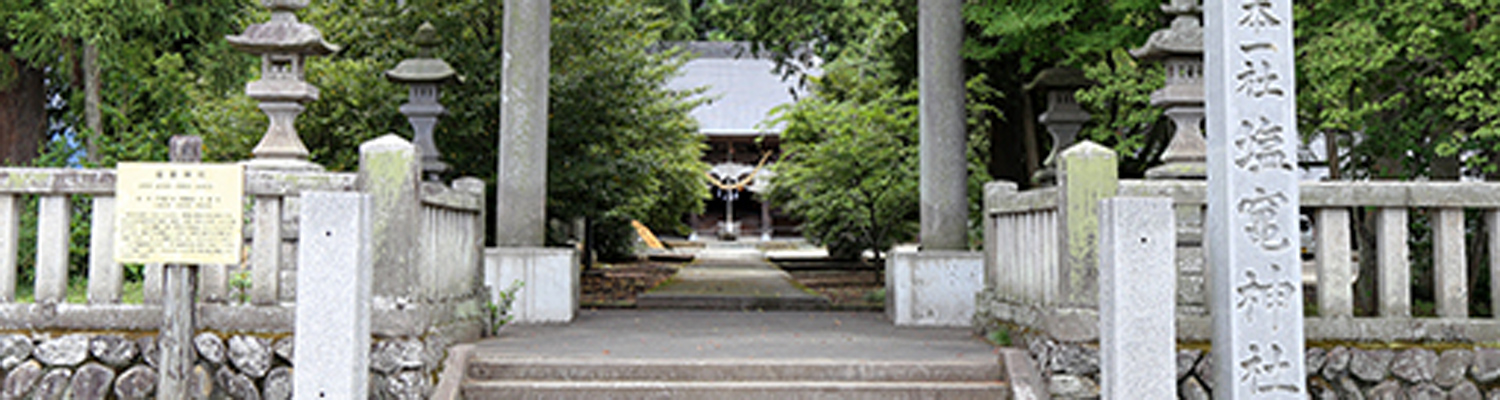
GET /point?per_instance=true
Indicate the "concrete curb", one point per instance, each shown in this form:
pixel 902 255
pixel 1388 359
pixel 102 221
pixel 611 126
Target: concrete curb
pixel 1025 381
pixel 451 379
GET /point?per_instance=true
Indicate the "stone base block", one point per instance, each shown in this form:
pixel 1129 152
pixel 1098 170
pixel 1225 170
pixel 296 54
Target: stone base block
pixel 932 288
pixel 549 278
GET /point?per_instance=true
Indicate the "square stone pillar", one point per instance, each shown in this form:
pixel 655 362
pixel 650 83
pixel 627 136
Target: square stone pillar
pixel 332 334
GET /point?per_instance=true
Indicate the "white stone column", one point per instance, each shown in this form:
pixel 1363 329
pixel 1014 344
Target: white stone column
pixel 1256 274
pixel 1137 322
pixel 521 192
pixel 332 330
pixel 10 234
pixel 944 170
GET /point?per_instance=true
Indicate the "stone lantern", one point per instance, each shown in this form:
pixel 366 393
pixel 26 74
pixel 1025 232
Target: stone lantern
pixel 1063 118
pixel 1180 49
pixel 283 44
pixel 423 75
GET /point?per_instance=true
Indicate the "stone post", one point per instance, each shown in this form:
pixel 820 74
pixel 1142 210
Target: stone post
pixel 1089 173
pixel 283 43
pixel 1137 324
pixel 332 331
pixel 521 193
pixel 54 214
pixel 10 235
pixel 1180 49
pixel 424 75
pixel 1255 294
pixel 994 191
pixel 944 160
pixel 389 172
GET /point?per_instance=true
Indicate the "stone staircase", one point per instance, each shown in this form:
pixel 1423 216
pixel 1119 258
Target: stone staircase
pixel 490 376
pixel 651 354
pixel 729 278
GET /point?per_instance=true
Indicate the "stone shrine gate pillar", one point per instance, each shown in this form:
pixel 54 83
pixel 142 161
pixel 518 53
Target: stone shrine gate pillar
pixel 521 182
pixel 936 286
pixel 944 139
pixel 549 276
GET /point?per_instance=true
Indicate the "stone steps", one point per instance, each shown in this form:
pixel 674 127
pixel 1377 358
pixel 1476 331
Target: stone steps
pixel 496 377
pixel 728 280
pixel 483 367
pixel 734 355
pixel 735 390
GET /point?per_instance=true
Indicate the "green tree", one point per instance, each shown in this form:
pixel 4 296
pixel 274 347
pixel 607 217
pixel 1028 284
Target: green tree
pixel 621 146
pixel 1013 40
pixel 1404 85
pixel 850 170
pixel 151 56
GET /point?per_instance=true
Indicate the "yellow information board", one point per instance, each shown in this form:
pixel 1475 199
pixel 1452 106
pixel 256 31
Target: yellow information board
pixel 179 213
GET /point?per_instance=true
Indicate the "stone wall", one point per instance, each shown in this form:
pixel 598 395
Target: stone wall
pixel 123 366
pixel 1360 371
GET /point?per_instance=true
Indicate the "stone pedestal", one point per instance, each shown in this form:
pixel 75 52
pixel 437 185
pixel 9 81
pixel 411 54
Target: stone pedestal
pixel 281 148
pixel 932 288
pixel 1184 156
pixel 549 278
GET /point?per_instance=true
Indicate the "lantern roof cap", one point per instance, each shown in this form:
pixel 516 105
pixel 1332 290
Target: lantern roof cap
pixel 424 68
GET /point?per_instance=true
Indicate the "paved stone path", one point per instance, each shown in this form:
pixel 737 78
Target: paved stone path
pixel 768 335
pixel 731 279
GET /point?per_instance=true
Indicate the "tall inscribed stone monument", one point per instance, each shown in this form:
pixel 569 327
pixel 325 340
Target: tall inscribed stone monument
pixel 1256 294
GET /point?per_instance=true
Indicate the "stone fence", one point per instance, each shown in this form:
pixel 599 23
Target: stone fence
pixel 1041 266
pixel 1041 263
pixel 428 249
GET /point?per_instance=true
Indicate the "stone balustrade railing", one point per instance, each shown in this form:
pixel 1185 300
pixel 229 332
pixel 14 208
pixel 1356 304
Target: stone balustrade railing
pixel 443 229
pixel 1035 240
pixel 1021 244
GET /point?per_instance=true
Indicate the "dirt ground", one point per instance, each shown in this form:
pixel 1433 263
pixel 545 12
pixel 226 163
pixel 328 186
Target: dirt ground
pixel 845 287
pixel 617 284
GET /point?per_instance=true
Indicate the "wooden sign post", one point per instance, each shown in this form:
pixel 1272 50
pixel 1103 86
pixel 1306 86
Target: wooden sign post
pixel 180 214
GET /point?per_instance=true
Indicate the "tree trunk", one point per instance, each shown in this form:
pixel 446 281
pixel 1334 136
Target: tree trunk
pixel 1033 154
pixel 23 115
pixel 91 87
pixel 1331 155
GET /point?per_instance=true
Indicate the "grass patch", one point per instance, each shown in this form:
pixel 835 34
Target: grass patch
pixel 999 337
pixel 131 292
